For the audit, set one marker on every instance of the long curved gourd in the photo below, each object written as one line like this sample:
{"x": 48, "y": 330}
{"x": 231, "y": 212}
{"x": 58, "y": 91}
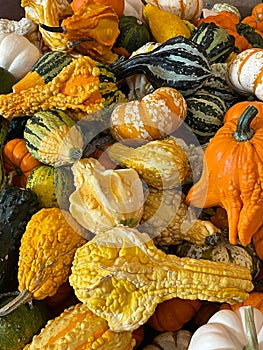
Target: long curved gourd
{"x": 122, "y": 276}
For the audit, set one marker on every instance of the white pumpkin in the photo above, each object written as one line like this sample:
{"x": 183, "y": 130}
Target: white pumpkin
{"x": 189, "y": 10}
{"x": 245, "y": 71}
{"x": 18, "y": 54}
{"x": 230, "y": 330}
{"x": 133, "y": 8}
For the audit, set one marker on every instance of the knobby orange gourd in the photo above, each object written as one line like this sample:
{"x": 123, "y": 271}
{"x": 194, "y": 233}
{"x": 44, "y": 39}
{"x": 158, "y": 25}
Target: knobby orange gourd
{"x": 233, "y": 175}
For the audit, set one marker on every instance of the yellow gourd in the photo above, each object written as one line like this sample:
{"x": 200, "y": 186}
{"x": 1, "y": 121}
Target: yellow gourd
{"x": 164, "y": 25}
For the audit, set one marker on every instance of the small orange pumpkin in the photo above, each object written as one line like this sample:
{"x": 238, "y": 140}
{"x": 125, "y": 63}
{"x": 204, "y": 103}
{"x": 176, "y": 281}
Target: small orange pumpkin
{"x": 18, "y": 161}
{"x": 255, "y": 20}
{"x": 157, "y": 115}
{"x": 172, "y": 314}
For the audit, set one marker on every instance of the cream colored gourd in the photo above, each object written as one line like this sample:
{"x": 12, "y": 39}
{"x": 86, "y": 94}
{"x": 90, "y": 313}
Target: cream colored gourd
{"x": 104, "y": 197}
{"x": 231, "y": 330}
{"x": 133, "y": 8}
{"x": 170, "y": 341}
{"x": 18, "y": 54}
{"x": 185, "y": 9}
{"x": 245, "y": 72}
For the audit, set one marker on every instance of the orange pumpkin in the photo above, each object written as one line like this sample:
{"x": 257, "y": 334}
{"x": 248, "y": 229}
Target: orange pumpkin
{"x": 18, "y": 161}
{"x": 254, "y": 299}
{"x": 155, "y": 116}
{"x": 233, "y": 175}
{"x": 238, "y": 108}
{"x": 117, "y": 5}
{"x": 255, "y": 20}
{"x": 172, "y": 314}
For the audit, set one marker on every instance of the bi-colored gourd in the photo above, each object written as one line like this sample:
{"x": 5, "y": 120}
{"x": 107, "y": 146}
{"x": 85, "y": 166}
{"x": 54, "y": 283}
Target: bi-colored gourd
{"x": 233, "y": 330}
{"x": 104, "y": 197}
{"x": 52, "y": 138}
{"x": 160, "y": 163}
{"x": 235, "y": 183}
{"x": 244, "y": 72}
{"x": 77, "y": 327}
{"x": 153, "y": 117}
{"x": 45, "y": 257}
{"x": 122, "y": 277}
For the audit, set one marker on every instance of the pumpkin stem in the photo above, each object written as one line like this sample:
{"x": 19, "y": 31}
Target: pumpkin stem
{"x": 250, "y": 329}
{"x": 243, "y": 131}
{"x": 22, "y": 298}
{"x": 144, "y": 2}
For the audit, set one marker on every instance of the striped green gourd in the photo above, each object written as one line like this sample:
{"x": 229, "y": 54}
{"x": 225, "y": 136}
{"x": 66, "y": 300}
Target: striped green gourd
{"x": 47, "y": 67}
{"x": 216, "y": 41}
{"x": 205, "y": 113}
{"x": 179, "y": 63}
{"x": 52, "y": 138}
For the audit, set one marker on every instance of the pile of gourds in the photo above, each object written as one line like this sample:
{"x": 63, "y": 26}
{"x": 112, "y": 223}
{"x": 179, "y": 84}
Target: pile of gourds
{"x": 131, "y": 176}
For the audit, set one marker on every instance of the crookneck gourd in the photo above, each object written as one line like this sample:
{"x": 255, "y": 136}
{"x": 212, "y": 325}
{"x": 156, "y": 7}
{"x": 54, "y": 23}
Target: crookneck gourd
{"x": 79, "y": 328}
{"x": 105, "y": 197}
{"x": 46, "y": 253}
{"x": 235, "y": 183}
{"x": 83, "y": 85}
{"x": 160, "y": 163}
{"x": 122, "y": 276}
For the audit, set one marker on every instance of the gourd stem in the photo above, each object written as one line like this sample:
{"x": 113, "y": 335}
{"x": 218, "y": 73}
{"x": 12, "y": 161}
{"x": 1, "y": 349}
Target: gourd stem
{"x": 251, "y": 332}
{"x": 23, "y": 297}
{"x": 243, "y": 131}
{"x": 144, "y": 2}
{"x": 52, "y": 29}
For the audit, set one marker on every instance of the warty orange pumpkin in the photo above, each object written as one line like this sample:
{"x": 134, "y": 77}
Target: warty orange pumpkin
{"x": 235, "y": 181}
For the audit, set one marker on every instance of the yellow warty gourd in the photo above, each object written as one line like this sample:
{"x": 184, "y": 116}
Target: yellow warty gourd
{"x": 164, "y": 25}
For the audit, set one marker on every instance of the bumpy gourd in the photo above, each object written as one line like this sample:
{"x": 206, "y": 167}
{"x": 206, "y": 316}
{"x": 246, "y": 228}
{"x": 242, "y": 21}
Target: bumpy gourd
{"x": 78, "y": 328}
{"x": 122, "y": 276}
{"x": 46, "y": 253}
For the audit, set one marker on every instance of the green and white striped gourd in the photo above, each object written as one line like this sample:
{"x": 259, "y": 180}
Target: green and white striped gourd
{"x": 179, "y": 63}
{"x": 216, "y": 41}
{"x": 52, "y": 138}
{"x": 222, "y": 251}
{"x": 205, "y": 113}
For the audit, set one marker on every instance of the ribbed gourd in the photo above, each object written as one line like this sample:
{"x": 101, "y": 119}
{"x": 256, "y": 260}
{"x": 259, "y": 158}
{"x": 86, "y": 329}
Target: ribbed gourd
{"x": 122, "y": 276}
{"x": 52, "y": 138}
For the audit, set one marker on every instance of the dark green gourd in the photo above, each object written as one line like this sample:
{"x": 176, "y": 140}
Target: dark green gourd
{"x": 17, "y": 205}
{"x": 179, "y": 63}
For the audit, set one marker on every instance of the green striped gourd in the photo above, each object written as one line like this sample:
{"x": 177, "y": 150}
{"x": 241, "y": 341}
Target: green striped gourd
{"x": 216, "y": 41}
{"x": 205, "y": 113}
{"x": 48, "y": 66}
{"x": 52, "y": 138}
{"x": 179, "y": 63}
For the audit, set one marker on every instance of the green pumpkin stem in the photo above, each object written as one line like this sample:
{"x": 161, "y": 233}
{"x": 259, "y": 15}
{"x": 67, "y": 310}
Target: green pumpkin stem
{"x": 22, "y": 298}
{"x": 243, "y": 131}
{"x": 251, "y": 332}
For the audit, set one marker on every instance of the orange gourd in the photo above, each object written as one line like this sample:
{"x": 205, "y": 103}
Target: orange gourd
{"x": 172, "y": 314}
{"x": 155, "y": 116}
{"x": 255, "y": 20}
{"x": 233, "y": 175}
{"x": 254, "y": 299}
{"x": 18, "y": 161}
{"x": 117, "y": 5}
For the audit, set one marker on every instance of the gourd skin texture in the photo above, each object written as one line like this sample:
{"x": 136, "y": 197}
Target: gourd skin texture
{"x": 235, "y": 183}
{"x": 46, "y": 252}
{"x": 122, "y": 277}
{"x": 78, "y": 328}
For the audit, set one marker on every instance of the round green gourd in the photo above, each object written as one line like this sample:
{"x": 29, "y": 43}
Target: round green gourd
{"x": 18, "y": 327}
{"x": 41, "y": 182}
{"x": 64, "y": 186}
{"x": 222, "y": 251}
{"x": 52, "y": 138}
{"x": 133, "y": 34}
{"x": 205, "y": 113}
